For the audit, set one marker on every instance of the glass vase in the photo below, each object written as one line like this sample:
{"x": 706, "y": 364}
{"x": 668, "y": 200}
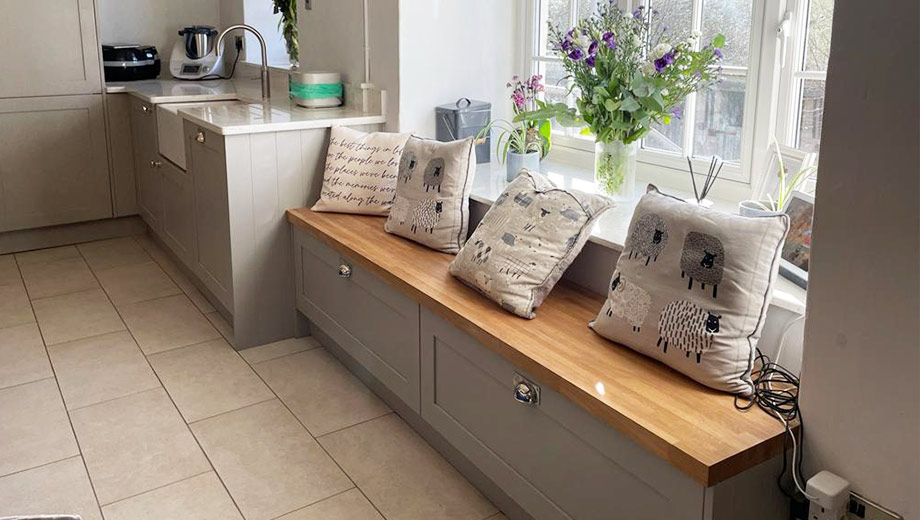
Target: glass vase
{"x": 615, "y": 169}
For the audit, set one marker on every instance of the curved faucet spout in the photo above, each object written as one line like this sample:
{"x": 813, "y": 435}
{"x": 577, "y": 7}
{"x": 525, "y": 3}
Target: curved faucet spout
{"x": 266, "y": 86}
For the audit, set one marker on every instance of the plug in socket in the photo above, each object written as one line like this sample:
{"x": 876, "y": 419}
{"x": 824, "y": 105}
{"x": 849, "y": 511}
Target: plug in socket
{"x": 861, "y": 508}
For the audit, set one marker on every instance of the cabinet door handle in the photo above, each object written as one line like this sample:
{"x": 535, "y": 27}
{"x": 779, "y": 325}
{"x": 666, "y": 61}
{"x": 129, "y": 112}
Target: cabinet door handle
{"x": 344, "y": 271}
{"x": 145, "y": 109}
{"x": 525, "y": 392}
{"x": 199, "y": 136}
{"x": 156, "y": 164}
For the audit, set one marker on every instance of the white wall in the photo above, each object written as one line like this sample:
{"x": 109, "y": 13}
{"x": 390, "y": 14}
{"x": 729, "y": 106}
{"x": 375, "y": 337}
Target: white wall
{"x": 260, "y": 15}
{"x": 861, "y": 367}
{"x": 332, "y": 38}
{"x": 450, "y": 49}
{"x": 154, "y": 22}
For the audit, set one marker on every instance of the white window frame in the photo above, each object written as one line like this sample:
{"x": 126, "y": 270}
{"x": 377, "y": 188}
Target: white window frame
{"x": 769, "y": 96}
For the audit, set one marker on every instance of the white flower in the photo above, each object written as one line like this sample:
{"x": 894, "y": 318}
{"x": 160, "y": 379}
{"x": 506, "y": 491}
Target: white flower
{"x": 636, "y": 41}
{"x": 660, "y": 50}
{"x": 648, "y": 68}
{"x": 696, "y": 34}
{"x": 664, "y": 92}
{"x": 583, "y": 40}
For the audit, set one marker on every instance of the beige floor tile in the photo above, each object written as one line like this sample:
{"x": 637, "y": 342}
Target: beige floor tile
{"x": 402, "y": 475}
{"x": 278, "y": 349}
{"x": 135, "y": 444}
{"x": 208, "y": 379}
{"x": 136, "y": 283}
{"x": 34, "y": 428}
{"x": 75, "y": 316}
{"x": 15, "y": 308}
{"x": 22, "y": 356}
{"x": 9, "y": 271}
{"x": 60, "y": 487}
{"x": 60, "y": 277}
{"x": 221, "y": 325}
{"x": 47, "y": 255}
{"x": 350, "y": 505}
{"x": 167, "y": 323}
{"x": 106, "y": 254}
{"x": 270, "y": 464}
{"x": 320, "y": 391}
{"x": 197, "y": 498}
{"x": 100, "y": 368}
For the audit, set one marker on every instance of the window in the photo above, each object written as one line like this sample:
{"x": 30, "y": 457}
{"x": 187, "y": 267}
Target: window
{"x": 735, "y": 118}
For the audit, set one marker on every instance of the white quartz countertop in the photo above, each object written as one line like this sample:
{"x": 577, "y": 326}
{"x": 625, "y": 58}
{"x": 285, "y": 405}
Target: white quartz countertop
{"x": 250, "y": 115}
{"x": 611, "y": 228}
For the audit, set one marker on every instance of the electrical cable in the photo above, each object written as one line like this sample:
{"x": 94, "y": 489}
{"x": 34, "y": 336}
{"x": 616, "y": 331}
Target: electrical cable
{"x": 776, "y": 392}
{"x": 209, "y": 77}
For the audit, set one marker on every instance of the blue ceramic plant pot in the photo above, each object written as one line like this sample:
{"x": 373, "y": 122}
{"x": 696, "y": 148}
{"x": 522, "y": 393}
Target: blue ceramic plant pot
{"x": 515, "y": 162}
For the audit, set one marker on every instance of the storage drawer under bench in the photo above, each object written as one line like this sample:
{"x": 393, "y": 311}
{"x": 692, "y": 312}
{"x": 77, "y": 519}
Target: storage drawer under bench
{"x": 374, "y": 323}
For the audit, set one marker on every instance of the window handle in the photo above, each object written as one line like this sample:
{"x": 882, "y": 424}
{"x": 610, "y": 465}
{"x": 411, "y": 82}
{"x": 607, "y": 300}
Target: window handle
{"x": 783, "y": 30}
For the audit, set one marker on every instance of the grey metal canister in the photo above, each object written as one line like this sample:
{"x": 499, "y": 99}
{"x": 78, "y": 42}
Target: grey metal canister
{"x": 462, "y": 119}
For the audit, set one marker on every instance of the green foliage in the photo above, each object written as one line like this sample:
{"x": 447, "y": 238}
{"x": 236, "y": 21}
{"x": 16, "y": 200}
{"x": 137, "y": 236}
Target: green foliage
{"x": 627, "y": 86}
{"x": 288, "y": 26}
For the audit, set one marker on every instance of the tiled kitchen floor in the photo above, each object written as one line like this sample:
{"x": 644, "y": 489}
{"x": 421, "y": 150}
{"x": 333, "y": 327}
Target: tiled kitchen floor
{"x": 119, "y": 398}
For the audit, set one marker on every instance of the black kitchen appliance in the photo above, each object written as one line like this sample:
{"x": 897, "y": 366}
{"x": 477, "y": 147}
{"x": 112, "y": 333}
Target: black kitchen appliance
{"x": 130, "y": 62}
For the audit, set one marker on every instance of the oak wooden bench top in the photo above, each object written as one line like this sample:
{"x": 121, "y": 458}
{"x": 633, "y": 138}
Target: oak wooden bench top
{"x": 694, "y": 428}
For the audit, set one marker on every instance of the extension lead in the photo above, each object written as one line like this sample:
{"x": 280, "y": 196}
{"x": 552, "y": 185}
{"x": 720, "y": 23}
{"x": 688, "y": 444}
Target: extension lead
{"x": 776, "y": 391}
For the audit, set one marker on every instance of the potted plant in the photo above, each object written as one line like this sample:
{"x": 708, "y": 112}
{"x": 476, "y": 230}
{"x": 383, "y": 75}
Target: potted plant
{"x": 525, "y": 141}
{"x": 288, "y": 26}
{"x": 629, "y": 75}
{"x": 786, "y": 184}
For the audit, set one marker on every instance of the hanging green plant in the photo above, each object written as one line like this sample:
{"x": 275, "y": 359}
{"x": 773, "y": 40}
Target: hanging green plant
{"x": 288, "y": 26}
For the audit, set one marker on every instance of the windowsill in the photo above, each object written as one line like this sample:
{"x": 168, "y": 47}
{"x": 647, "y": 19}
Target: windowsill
{"x": 611, "y": 228}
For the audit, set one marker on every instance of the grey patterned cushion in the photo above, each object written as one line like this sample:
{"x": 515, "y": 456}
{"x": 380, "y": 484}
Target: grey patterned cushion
{"x": 432, "y": 193}
{"x": 526, "y": 241}
{"x": 691, "y": 289}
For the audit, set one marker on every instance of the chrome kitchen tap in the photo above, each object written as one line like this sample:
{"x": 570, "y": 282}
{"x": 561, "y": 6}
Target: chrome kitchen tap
{"x": 266, "y": 86}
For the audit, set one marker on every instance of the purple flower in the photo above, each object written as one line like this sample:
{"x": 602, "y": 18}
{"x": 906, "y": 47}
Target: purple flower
{"x": 565, "y": 45}
{"x": 518, "y": 99}
{"x": 663, "y": 62}
{"x": 592, "y": 49}
{"x": 589, "y": 61}
{"x": 718, "y": 52}
{"x": 608, "y": 39}
{"x": 576, "y": 54}
{"x": 677, "y": 112}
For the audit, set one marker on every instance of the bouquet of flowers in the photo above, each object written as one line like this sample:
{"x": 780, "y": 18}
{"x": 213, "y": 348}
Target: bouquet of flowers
{"x": 629, "y": 75}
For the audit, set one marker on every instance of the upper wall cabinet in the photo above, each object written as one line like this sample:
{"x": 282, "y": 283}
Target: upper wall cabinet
{"x": 49, "y": 48}
{"x": 53, "y": 165}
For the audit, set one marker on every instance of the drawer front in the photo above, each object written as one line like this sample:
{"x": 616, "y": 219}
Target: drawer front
{"x": 376, "y": 324}
{"x": 553, "y": 458}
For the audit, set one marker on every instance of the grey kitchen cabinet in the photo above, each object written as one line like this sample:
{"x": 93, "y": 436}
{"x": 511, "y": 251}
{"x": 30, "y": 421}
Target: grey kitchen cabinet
{"x": 179, "y": 230}
{"x": 374, "y": 323}
{"x": 206, "y": 163}
{"x": 553, "y": 458}
{"x": 53, "y": 161}
{"x": 121, "y": 154}
{"x": 148, "y": 178}
{"x": 49, "y": 49}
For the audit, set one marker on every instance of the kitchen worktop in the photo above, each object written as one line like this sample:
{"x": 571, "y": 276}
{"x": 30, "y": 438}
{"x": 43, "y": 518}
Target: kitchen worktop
{"x": 251, "y": 114}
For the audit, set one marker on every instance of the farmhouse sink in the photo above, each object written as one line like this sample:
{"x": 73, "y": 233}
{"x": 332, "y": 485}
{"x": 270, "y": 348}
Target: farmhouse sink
{"x": 169, "y": 128}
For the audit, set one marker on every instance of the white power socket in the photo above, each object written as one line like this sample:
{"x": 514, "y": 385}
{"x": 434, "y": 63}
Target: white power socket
{"x": 829, "y": 494}
{"x": 861, "y": 508}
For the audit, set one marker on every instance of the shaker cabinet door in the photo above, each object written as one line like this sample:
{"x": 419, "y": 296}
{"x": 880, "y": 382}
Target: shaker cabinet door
{"x": 49, "y": 48}
{"x": 53, "y": 163}
{"x": 148, "y": 177}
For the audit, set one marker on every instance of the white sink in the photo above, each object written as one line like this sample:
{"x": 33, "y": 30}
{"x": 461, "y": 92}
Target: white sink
{"x": 169, "y": 128}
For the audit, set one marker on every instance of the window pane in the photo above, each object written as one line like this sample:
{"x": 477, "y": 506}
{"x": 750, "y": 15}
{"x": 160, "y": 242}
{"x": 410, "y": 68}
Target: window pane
{"x": 811, "y": 114}
{"x": 818, "y": 39}
{"x": 557, "y": 13}
{"x": 719, "y": 117}
{"x": 553, "y": 74}
{"x": 667, "y": 137}
{"x": 586, "y": 8}
{"x": 676, "y": 16}
{"x": 732, "y": 18}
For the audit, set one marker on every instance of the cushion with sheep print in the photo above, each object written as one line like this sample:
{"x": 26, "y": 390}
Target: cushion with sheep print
{"x": 432, "y": 193}
{"x": 691, "y": 289}
{"x": 526, "y": 240}
{"x": 361, "y": 170}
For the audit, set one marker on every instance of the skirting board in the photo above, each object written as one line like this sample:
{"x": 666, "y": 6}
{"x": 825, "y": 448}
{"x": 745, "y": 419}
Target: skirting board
{"x": 466, "y": 468}
{"x": 67, "y": 234}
